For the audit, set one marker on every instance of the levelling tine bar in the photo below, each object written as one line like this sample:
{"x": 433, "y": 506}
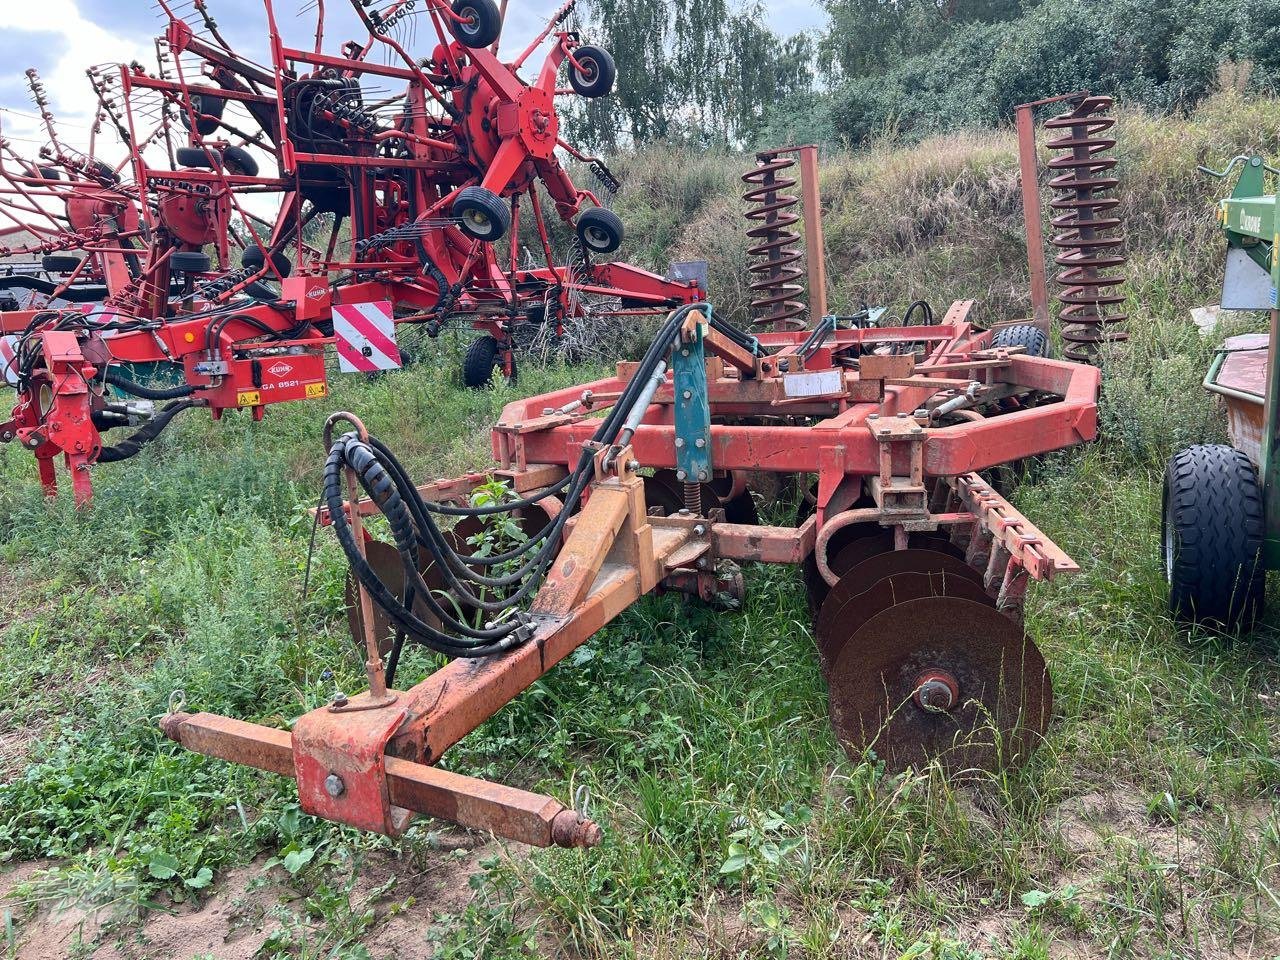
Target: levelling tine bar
{"x": 531, "y": 818}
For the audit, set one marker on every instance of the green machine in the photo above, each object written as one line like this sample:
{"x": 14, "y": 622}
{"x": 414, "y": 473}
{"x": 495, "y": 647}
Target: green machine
{"x": 1221, "y": 518}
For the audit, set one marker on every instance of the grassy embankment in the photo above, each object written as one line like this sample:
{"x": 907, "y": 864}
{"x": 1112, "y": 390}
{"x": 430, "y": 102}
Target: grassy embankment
{"x": 1146, "y": 825}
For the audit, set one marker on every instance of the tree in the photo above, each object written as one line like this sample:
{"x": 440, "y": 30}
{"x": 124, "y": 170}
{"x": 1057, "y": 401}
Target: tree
{"x": 689, "y": 70}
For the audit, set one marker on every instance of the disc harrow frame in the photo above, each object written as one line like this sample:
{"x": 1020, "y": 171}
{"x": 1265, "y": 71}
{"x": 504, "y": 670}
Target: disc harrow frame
{"x": 863, "y": 421}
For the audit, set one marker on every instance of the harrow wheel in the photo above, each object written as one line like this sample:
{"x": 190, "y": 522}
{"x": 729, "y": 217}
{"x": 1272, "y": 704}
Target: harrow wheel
{"x": 922, "y": 667}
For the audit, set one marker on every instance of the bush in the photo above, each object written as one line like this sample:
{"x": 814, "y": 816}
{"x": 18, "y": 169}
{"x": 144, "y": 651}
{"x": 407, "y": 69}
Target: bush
{"x": 1163, "y": 56}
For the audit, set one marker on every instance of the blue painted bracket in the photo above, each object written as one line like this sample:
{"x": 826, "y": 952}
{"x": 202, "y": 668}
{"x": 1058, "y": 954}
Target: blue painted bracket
{"x": 693, "y": 410}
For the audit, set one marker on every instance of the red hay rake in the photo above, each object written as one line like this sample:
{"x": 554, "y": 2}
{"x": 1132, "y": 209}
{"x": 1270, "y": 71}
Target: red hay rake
{"x": 426, "y": 170}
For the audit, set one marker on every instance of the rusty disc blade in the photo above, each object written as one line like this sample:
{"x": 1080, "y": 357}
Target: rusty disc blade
{"x": 815, "y": 585}
{"x": 665, "y": 491}
{"x": 1000, "y": 700}
{"x": 844, "y": 612}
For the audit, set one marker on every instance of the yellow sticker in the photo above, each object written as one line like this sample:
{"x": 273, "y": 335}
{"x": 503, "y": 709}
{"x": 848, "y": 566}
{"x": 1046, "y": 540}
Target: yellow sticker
{"x": 248, "y": 398}
{"x": 316, "y": 389}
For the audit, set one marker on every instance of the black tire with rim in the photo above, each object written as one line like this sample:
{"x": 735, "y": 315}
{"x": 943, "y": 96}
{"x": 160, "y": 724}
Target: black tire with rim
{"x": 482, "y": 214}
{"x": 1026, "y": 335}
{"x": 600, "y": 230}
{"x": 595, "y": 73}
{"x": 208, "y": 111}
{"x": 189, "y": 261}
{"x": 481, "y": 22}
{"x": 1211, "y": 537}
{"x": 483, "y": 356}
{"x": 59, "y": 263}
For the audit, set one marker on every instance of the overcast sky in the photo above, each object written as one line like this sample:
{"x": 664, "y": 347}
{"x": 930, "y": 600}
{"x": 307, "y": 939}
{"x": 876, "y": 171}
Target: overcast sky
{"x": 60, "y": 38}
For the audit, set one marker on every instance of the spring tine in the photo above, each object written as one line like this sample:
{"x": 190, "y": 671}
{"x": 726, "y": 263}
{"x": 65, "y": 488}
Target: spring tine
{"x": 774, "y": 285}
{"x": 1086, "y": 226}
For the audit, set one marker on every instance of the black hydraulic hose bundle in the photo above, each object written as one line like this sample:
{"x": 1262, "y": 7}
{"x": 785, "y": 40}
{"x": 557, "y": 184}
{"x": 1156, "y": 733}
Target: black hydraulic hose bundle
{"x": 121, "y": 382}
{"x": 410, "y": 517}
{"x": 133, "y": 444}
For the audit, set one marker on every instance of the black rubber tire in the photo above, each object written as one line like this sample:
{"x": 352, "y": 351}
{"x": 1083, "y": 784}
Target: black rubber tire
{"x": 485, "y": 25}
{"x": 50, "y": 173}
{"x": 483, "y": 357}
{"x": 210, "y": 109}
{"x": 1023, "y": 335}
{"x": 239, "y": 161}
{"x": 597, "y": 75}
{"x": 254, "y": 258}
{"x": 198, "y": 157}
{"x": 189, "y": 261}
{"x": 479, "y": 362}
{"x": 59, "y": 263}
{"x": 600, "y": 230}
{"x": 482, "y": 214}
{"x": 1211, "y": 537}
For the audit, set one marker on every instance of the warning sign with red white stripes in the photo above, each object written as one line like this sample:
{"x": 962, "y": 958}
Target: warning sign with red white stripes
{"x": 364, "y": 335}
{"x": 8, "y": 363}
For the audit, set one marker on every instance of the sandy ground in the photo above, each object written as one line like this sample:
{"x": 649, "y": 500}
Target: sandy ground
{"x": 237, "y": 914}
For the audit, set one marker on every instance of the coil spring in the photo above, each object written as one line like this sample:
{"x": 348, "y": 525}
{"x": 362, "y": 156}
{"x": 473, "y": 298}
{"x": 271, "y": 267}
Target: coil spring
{"x": 1085, "y": 229}
{"x": 773, "y": 287}
{"x": 693, "y": 498}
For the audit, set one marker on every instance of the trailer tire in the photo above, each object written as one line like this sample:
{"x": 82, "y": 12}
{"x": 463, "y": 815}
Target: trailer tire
{"x": 600, "y": 230}
{"x": 209, "y": 110}
{"x": 1211, "y": 537}
{"x": 597, "y": 75}
{"x": 485, "y": 25}
{"x": 1026, "y": 335}
{"x": 59, "y": 263}
{"x": 199, "y": 158}
{"x": 483, "y": 356}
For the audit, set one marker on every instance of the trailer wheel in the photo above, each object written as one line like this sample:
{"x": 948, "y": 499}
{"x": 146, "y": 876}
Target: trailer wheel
{"x": 1211, "y": 534}
{"x": 1023, "y": 335}
{"x": 199, "y": 158}
{"x": 597, "y": 73}
{"x": 600, "y": 230}
{"x": 483, "y": 356}
{"x": 481, "y": 23}
{"x": 482, "y": 214}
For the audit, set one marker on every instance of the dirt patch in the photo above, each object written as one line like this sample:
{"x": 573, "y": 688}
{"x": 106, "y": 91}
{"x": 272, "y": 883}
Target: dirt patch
{"x": 438, "y": 886}
{"x": 239, "y": 914}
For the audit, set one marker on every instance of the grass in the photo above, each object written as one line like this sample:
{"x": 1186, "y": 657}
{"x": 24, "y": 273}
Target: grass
{"x": 734, "y": 826}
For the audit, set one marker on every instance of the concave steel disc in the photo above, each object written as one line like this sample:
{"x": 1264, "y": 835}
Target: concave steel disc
{"x": 665, "y": 491}
{"x": 944, "y": 678}
{"x": 844, "y": 538}
{"x": 844, "y": 611}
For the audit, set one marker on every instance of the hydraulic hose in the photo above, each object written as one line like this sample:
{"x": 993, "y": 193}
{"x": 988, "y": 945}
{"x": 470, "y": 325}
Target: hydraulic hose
{"x": 409, "y": 517}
